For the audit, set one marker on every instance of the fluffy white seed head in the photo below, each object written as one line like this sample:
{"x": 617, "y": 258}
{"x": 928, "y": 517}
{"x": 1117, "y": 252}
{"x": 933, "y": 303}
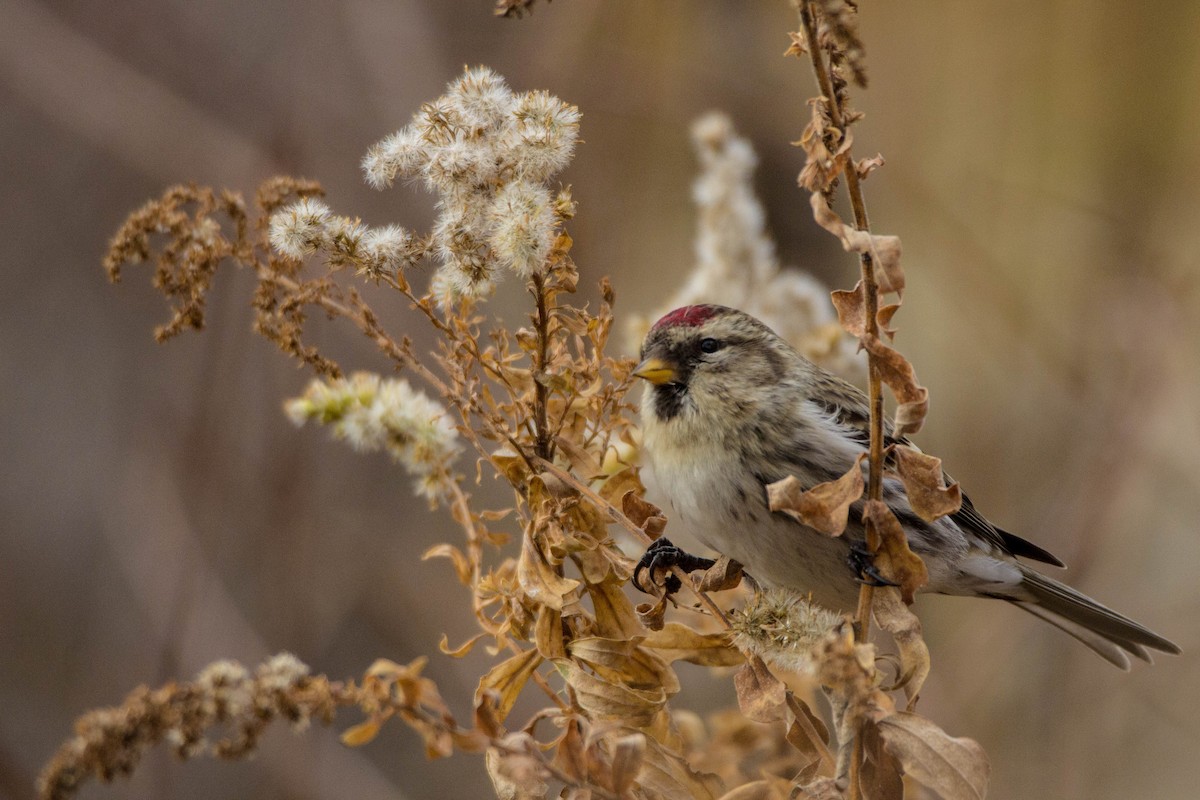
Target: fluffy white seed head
{"x": 402, "y": 154}
{"x": 374, "y": 414}
{"x": 522, "y": 226}
{"x": 482, "y": 98}
{"x": 299, "y": 229}
{"x": 543, "y": 139}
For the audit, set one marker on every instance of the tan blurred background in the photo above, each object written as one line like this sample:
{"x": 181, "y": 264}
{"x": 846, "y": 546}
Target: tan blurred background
{"x": 159, "y": 512}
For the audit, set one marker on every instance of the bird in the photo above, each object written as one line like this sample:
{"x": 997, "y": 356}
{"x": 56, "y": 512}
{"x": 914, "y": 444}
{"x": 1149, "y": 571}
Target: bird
{"x": 731, "y": 408}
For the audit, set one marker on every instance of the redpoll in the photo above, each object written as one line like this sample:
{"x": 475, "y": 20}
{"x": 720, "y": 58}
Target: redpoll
{"x": 731, "y": 408}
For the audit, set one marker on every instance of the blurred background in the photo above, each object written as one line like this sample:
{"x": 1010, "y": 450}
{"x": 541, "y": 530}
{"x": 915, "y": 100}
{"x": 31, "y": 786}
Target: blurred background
{"x": 158, "y": 512}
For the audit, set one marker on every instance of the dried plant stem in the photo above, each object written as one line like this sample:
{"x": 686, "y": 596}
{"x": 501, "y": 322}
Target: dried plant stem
{"x": 542, "y": 322}
{"x": 862, "y": 623}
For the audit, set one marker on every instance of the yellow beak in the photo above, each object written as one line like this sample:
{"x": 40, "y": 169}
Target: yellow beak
{"x": 656, "y": 371}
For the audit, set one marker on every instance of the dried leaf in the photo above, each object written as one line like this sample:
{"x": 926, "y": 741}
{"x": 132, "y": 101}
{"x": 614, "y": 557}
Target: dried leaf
{"x": 884, "y": 250}
{"x": 548, "y": 633}
{"x": 569, "y": 755}
{"x": 676, "y": 642}
{"x": 628, "y": 753}
{"x": 880, "y": 774}
{"x": 538, "y": 579}
{"x": 851, "y": 309}
{"x": 516, "y": 775}
{"x": 652, "y": 614}
{"x": 462, "y": 567}
{"x": 897, "y": 373}
{"x": 461, "y": 650}
{"x": 807, "y": 733}
{"x": 953, "y": 767}
{"x": 606, "y": 700}
{"x": 507, "y": 679}
{"x": 904, "y": 626}
{"x": 643, "y": 513}
{"x": 798, "y": 47}
{"x": 925, "y": 485}
{"x": 622, "y": 660}
{"x": 865, "y": 166}
{"x": 903, "y": 566}
{"x": 667, "y": 774}
{"x": 361, "y": 733}
{"x": 725, "y": 574}
{"x": 883, "y": 319}
{"x": 622, "y": 482}
{"x": 761, "y": 696}
{"x": 826, "y": 506}
{"x": 615, "y": 617}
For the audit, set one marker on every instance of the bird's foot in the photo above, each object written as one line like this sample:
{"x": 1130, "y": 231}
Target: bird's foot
{"x": 662, "y": 555}
{"x": 862, "y": 561}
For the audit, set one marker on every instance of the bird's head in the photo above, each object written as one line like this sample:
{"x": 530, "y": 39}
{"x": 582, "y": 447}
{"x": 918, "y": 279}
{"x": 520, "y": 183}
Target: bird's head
{"x": 709, "y": 363}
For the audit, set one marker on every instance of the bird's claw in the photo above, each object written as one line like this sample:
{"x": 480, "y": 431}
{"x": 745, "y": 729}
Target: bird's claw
{"x": 662, "y": 555}
{"x": 862, "y": 561}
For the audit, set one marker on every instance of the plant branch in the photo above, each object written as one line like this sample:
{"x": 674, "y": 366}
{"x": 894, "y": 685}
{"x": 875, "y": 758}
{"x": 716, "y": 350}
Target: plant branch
{"x": 871, "y": 301}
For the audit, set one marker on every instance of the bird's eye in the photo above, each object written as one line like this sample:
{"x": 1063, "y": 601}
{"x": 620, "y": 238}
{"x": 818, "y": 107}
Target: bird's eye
{"x": 709, "y": 345}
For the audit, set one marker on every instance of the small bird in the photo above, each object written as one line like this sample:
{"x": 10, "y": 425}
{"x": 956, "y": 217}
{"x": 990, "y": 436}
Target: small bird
{"x": 731, "y": 408}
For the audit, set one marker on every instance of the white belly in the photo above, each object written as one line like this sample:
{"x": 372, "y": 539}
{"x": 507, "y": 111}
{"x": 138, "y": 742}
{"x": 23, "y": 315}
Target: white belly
{"x": 699, "y": 499}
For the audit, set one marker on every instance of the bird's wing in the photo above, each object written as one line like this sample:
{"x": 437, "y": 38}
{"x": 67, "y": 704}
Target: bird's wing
{"x": 849, "y": 407}
{"x": 969, "y": 519}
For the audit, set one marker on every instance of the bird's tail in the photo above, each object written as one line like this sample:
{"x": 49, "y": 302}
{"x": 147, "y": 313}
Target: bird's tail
{"x": 1110, "y": 634}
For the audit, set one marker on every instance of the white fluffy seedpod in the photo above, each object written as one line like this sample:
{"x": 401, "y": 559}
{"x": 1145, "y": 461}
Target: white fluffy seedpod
{"x": 543, "y": 140}
{"x": 522, "y": 226}
{"x": 482, "y": 98}
{"x": 375, "y": 414}
{"x": 299, "y": 229}
{"x": 402, "y": 154}
{"x": 387, "y": 250}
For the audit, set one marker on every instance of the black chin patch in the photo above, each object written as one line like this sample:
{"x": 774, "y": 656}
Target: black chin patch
{"x": 669, "y": 399}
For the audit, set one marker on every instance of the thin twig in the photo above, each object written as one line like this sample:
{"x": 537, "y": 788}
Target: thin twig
{"x": 871, "y": 299}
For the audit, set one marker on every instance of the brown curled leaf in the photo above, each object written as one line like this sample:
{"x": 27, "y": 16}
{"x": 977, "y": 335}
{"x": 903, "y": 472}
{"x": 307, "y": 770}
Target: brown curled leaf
{"x": 883, "y": 319}
{"x": 925, "y": 484}
{"x": 865, "y": 166}
{"x": 851, "y": 309}
{"x": 883, "y": 250}
{"x": 950, "y": 766}
{"x": 605, "y": 700}
{"x": 652, "y": 614}
{"x": 725, "y": 574}
{"x": 761, "y": 696}
{"x": 615, "y": 617}
{"x": 623, "y": 661}
{"x": 898, "y": 374}
{"x": 904, "y": 626}
{"x": 461, "y": 650}
{"x": 538, "y": 579}
{"x": 507, "y": 679}
{"x": 826, "y": 506}
{"x": 902, "y": 566}
{"x": 643, "y": 513}
{"x": 462, "y": 567}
